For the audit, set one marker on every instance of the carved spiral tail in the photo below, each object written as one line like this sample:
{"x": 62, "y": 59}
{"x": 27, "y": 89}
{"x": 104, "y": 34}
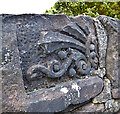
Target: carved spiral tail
{"x": 83, "y": 67}
{"x": 52, "y": 70}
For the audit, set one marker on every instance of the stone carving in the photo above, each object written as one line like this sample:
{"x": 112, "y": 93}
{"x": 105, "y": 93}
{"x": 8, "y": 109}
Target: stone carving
{"x": 53, "y": 63}
{"x": 72, "y": 53}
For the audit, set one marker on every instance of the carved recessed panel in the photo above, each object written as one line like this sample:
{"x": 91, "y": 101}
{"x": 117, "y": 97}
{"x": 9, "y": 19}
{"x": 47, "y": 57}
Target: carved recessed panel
{"x": 49, "y": 57}
{"x": 52, "y": 61}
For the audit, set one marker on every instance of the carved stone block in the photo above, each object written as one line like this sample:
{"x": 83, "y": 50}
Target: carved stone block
{"x": 51, "y": 61}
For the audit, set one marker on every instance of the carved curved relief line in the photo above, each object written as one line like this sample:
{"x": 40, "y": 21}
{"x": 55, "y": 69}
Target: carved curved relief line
{"x": 79, "y": 59}
{"x": 75, "y": 31}
{"x": 51, "y": 47}
{"x": 50, "y": 71}
{"x": 51, "y": 37}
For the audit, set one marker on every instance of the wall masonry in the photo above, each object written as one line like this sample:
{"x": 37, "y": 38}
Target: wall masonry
{"x": 55, "y": 63}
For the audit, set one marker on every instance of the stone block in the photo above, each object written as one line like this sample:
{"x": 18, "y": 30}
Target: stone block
{"x": 112, "y": 27}
{"x": 47, "y": 62}
{"x": 52, "y": 61}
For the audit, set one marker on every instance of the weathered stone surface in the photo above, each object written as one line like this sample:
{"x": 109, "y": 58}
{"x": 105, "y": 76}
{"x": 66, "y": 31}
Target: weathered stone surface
{"x": 116, "y": 93}
{"x": 0, "y": 64}
{"x": 112, "y": 106}
{"x": 25, "y": 55}
{"x": 102, "y": 39}
{"x": 58, "y": 98}
{"x": 102, "y": 46}
{"x": 112, "y": 27}
{"x": 13, "y": 95}
{"x": 90, "y": 107}
{"x": 101, "y": 72}
{"x": 52, "y": 61}
{"x": 105, "y": 95}
{"x": 41, "y": 49}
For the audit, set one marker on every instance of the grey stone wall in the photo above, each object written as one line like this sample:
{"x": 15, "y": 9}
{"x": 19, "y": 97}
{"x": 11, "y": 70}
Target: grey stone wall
{"x": 55, "y": 63}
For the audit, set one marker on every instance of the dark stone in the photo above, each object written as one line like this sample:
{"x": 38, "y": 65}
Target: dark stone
{"x": 60, "y": 97}
{"x": 31, "y": 65}
{"x": 48, "y": 59}
{"x": 53, "y": 49}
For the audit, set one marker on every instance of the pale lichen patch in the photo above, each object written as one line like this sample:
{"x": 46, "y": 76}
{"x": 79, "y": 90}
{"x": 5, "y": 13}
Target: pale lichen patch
{"x": 64, "y": 90}
{"x": 77, "y": 88}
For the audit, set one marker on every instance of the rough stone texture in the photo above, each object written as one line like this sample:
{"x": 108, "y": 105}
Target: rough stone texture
{"x": 102, "y": 39}
{"x": 112, "y": 106}
{"x": 0, "y": 64}
{"x": 90, "y": 107}
{"x": 22, "y": 36}
{"x": 102, "y": 45}
{"x": 60, "y": 97}
{"x": 101, "y": 72}
{"x": 24, "y": 50}
{"x": 112, "y": 27}
{"x": 12, "y": 86}
{"x": 58, "y": 49}
{"x": 116, "y": 93}
{"x": 105, "y": 95}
